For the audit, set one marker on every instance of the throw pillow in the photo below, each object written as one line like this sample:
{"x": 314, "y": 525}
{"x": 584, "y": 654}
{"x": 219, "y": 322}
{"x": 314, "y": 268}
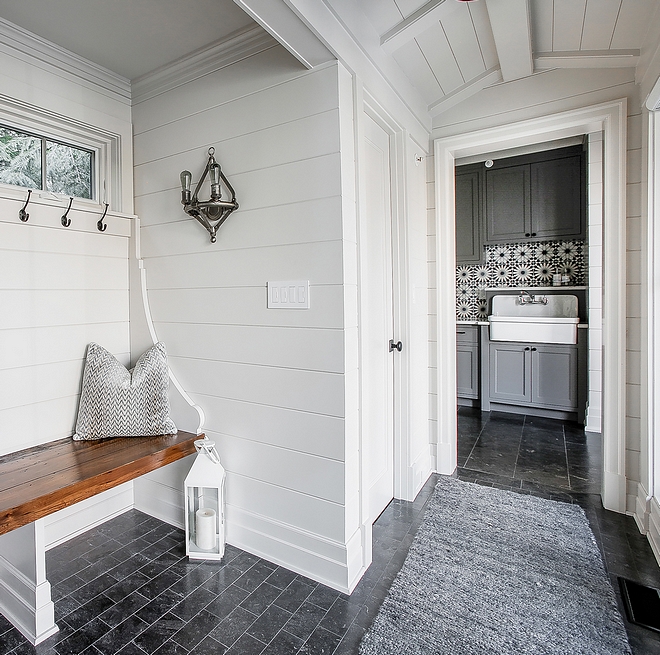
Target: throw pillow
{"x": 116, "y": 402}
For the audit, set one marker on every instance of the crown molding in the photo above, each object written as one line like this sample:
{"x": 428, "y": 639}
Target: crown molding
{"x": 201, "y": 62}
{"x": 36, "y": 51}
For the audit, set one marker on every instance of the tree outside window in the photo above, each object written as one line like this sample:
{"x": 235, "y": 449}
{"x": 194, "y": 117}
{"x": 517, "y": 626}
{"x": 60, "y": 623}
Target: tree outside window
{"x": 35, "y": 162}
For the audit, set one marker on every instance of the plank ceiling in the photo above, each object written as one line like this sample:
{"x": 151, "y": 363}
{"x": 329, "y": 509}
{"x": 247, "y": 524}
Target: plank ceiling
{"x": 451, "y": 49}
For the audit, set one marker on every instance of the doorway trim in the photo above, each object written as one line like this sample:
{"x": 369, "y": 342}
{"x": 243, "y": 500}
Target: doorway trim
{"x": 611, "y": 118}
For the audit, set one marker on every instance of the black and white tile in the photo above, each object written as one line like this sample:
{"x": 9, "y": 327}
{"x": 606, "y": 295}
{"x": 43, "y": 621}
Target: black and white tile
{"x": 512, "y": 265}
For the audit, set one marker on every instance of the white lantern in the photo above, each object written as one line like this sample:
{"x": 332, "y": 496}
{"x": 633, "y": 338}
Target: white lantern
{"x": 204, "y": 494}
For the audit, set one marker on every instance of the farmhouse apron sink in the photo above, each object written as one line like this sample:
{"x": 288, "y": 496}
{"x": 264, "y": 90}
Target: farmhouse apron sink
{"x": 534, "y": 318}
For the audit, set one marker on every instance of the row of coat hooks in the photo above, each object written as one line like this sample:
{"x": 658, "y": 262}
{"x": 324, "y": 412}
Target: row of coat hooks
{"x": 66, "y": 221}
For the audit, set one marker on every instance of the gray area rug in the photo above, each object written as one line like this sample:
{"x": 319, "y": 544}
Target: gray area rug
{"x": 493, "y": 571}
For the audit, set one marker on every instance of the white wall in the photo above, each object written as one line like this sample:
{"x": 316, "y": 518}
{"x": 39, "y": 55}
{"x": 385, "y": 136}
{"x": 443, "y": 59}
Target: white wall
{"x": 551, "y": 92}
{"x": 271, "y": 382}
{"x": 60, "y": 288}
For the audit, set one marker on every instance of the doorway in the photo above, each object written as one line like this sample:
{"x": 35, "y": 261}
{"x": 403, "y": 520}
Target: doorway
{"x": 611, "y": 119}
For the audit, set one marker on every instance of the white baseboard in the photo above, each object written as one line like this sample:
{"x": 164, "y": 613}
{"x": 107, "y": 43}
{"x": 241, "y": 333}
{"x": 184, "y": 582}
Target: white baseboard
{"x": 445, "y": 458}
{"x": 72, "y": 521}
{"x": 159, "y": 500}
{"x": 434, "y": 457}
{"x": 614, "y": 492}
{"x": 653, "y": 533}
{"x": 642, "y": 508}
{"x": 321, "y": 559}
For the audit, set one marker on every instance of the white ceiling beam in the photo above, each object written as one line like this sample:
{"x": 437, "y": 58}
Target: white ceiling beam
{"x": 512, "y": 31}
{"x": 586, "y": 59}
{"x": 492, "y": 76}
{"x": 285, "y": 26}
{"x": 420, "y": 20}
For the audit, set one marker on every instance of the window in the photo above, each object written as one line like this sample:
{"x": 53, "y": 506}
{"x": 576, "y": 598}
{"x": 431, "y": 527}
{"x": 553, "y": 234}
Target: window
{"x": 35, "y": 162}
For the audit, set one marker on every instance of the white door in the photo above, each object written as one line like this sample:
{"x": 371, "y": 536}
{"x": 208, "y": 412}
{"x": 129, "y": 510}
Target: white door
{"x": 377, "y": 319}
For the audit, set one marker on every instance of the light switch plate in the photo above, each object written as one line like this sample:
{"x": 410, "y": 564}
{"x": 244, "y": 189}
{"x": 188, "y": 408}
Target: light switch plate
{"x": 288, "y": 294}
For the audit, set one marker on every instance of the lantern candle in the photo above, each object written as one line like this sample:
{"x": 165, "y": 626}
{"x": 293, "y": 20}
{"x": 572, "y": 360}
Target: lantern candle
{"x": 205, "y": 528}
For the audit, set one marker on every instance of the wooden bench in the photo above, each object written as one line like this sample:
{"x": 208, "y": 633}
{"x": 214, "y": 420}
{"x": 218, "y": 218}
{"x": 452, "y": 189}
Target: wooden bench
{"x": 44, "y": 479}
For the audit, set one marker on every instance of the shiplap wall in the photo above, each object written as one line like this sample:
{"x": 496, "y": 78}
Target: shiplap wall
{"x": 60, "y": 288}
{"x": 551, "y": 92}
{"x": 270, "y": 381}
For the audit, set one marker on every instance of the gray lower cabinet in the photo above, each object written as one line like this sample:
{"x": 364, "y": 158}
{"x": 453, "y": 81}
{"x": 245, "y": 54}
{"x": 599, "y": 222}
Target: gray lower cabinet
{"x": 538, "y": 375}
{"x": 467, "y": 362}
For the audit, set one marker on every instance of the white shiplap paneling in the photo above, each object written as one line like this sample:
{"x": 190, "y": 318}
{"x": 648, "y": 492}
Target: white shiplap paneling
{"x": 438, "y": 53}
{"x": 271, "y": 381}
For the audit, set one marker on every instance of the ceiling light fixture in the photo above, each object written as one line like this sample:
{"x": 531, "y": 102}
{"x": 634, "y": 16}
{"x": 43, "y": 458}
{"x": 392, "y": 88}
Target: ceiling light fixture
{"x": 214, "y": 212}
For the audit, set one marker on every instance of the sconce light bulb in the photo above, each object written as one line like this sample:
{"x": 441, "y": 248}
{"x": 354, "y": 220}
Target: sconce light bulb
{"x": 214, "y": 172}
{"x": 186, "y": 180}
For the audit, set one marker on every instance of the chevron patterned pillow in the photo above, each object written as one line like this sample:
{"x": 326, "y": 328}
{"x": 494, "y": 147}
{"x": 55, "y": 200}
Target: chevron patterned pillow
{"x": 116, "y": 402}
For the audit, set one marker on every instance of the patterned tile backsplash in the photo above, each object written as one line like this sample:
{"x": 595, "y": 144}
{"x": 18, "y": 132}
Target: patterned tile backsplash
{"x": 516, "y": 265}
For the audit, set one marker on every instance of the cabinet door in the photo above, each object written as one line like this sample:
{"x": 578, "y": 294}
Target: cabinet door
{"x": 467, "y": 371}
{"x": 507, "y": 204}
{"x": 554, "y": 376}
{"x": 469, "y": 249}
{"x": 510, "y": 372}
{"x": 557, "y": 197}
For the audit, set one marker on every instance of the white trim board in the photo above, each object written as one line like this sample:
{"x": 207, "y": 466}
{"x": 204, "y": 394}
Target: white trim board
{"x": 611, "y": 118}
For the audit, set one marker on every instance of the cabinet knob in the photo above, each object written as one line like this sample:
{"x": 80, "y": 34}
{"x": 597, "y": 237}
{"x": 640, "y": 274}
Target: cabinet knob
{"x": 527, "y": 348}
{"x": 533, "y": 234}
{"x": 527, "y": 234}
{"x": 395, "y": 346}
{"x": 533, "y": 349}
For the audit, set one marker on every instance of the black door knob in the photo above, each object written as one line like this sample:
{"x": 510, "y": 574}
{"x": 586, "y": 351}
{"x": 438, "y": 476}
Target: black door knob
{"x": 395, "y": 346}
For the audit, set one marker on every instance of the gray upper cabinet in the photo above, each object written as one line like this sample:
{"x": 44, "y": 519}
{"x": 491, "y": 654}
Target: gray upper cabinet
{"x": 557, "y": 192}
{"x": 508, "y": 216}
{"x": 469, "y": 242}
{"x": 539, "y": 196}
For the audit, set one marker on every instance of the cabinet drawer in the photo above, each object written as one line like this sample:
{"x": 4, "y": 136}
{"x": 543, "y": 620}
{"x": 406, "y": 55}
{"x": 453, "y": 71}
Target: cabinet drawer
{"x": 468, "y": 334}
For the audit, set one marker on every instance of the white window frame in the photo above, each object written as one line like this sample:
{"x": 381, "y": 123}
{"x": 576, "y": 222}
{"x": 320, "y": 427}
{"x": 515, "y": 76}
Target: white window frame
{"x": 105, "y": 146}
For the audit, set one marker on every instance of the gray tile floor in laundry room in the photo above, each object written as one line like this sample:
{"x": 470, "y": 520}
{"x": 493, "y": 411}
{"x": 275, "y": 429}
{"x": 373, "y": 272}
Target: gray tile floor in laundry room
{"x": 126, "y": 586}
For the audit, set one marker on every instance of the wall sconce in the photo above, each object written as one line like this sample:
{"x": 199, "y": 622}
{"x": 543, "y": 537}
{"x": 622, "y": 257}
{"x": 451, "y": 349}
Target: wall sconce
{"x": 214, "y": 212}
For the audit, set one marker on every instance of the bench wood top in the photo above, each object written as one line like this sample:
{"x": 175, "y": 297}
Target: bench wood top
{"x": 38, "y": 481}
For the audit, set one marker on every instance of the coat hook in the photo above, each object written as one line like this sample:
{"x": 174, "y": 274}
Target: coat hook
{"x": 100, "y": 224}
{"x": 67, "y": 221}
{"x": 22, "y": 214}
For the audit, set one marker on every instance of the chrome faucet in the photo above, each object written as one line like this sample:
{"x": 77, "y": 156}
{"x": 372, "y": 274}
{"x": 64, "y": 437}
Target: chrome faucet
{"x": 526, "y": 299}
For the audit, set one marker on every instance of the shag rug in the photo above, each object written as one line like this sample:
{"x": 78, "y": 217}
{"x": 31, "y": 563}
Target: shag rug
{"x": 501, "y": 573}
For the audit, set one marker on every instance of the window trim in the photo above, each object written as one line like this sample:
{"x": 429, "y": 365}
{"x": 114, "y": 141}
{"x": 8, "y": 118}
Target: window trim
{"x": 105, "y": 146}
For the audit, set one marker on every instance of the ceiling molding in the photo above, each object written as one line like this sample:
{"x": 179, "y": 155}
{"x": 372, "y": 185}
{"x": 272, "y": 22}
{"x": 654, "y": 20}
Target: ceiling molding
{"x": 36, "y": 51}
{"x": 420, "y": 20}
{"x": 283, "y": 24}
{"x": 586, "y": 59}
{"x": 491, "y": 76}
{"x": 201, "y": 62}
{"x": 510, "y": 21}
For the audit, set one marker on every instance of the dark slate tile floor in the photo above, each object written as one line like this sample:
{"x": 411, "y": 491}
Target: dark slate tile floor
{"x": 558, "y": 460}
{"x": 127, "y": 588}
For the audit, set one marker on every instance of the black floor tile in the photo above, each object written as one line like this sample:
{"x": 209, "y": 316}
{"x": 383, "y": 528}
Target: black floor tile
{"x": 233, "y": 626}
{"x": 127, "y": 588}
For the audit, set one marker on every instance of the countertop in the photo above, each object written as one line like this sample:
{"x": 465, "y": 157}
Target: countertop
{"x": 580, "y": 325}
